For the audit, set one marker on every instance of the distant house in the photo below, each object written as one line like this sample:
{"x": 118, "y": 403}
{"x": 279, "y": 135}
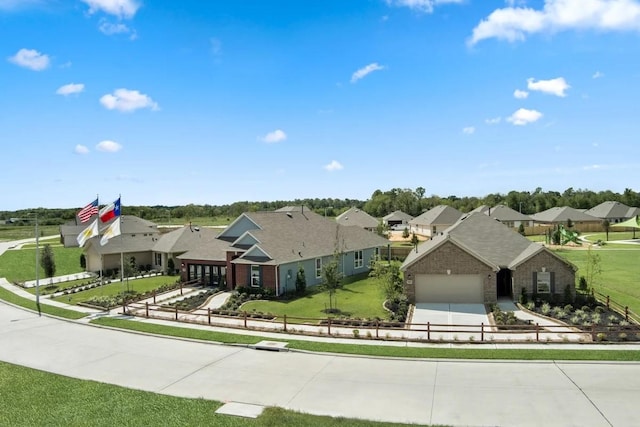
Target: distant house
{"x": 174, "y": 243}
{"x": 397, "y": 218}
{"x": 509, "y": 217}
{"x": 435, "y": 220}
{"x": 359, "y": 218}
{"x": 136, "y": 242}
{"x": 266, "y": 249}
{"x": 479, "y": 260}
{"x": 613, "y": 212}
{"x": 562, "y": 215}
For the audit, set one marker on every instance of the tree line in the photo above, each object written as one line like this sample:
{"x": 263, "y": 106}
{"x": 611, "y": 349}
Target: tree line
{"x": 411, "y": 201}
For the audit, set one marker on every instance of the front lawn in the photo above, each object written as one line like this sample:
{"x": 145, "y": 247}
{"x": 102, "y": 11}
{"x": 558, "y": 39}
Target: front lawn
{"x": 20, "y": 265}
{"x": 116, "y": 288}
{"x": 31, "y": 305}
{"x": 620, "y": 272}
{"x": 360, "y": 299}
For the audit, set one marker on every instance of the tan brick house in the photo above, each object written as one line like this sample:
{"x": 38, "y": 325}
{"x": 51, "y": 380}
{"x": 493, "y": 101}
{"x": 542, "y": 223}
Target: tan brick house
{"x": 478, "y": 260}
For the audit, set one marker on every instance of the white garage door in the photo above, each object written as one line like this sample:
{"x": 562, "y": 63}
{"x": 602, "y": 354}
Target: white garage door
{"x": 455, "y": 288}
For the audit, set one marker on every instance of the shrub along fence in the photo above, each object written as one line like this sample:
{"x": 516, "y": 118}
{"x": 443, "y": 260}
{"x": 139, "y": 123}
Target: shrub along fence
{"x": 623, "y": 310}
{"x": 378, "y": 329}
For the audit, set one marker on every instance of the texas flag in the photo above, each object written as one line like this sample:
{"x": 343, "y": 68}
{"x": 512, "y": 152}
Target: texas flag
{"x": 110, "y": 211}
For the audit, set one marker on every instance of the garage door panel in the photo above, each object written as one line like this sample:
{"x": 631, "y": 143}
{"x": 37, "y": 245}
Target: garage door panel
{"x": 442, "y": 288}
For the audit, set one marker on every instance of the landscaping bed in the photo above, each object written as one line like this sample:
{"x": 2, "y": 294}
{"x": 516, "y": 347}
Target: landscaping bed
{"x": 193, "y": 302}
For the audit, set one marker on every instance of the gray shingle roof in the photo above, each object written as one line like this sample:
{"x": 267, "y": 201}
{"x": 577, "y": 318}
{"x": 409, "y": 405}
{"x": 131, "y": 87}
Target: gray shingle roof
{"x": 440, "y": 215}
{"x": 505, "y": 213}
{"x": 562, "y": 214}
{"x": 184, "y": 239}
{"x": 486, "y": 238}
{"x": 397, "y": 216}
{"x": 356, "y": 216}
{"x": 610, "y": 210}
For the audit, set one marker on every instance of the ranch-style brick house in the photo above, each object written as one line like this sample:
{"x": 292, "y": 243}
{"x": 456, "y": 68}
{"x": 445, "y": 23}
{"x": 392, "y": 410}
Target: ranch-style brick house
{"x": 266, "y": 249}
{"x": 479, "y": 260}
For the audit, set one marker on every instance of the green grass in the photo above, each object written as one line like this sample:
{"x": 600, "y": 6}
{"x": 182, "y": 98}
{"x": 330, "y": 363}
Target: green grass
{"x": 34, "y": 398}
{"x": 537, "y": 238}
{"x": 362, "y": 298}
{"x": 116, "y": 287}
{"x": 613, "y": 236}
{"x": 31, "y": 305}
{"x": 20, "y": 232}
{"x": 620, "y": 273}
{"x": 379, "y": 350}
{"x": 47, "y": 288}
{"x": 20, "y": 265}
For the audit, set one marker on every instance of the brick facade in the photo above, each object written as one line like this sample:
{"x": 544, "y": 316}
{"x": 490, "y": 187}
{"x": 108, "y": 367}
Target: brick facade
{"x": 457, "y": 261}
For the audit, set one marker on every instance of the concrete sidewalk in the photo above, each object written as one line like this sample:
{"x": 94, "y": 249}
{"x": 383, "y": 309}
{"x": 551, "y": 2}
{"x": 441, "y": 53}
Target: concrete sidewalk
{"x": 470, "y": 393}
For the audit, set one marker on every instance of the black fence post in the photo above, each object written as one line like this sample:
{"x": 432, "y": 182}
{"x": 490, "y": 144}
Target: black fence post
{"x": 285, "y": 323}
{"x": 209, "y": 315}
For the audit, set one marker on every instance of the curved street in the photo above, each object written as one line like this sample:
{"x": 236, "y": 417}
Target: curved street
{"x": 473, "y": 393}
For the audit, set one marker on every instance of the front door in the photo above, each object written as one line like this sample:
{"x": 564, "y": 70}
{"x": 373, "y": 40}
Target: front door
{"x": 504, "y": 283}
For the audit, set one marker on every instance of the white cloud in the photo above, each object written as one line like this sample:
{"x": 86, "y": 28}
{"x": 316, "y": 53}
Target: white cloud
{"x": 70, "y": 89}
{"x": 520, "y": 94}
{"x": 120, "y": 8}
{"x": 334, "y": 166}
{"x": 81, "y": 149}
{"x": 523, "y": 117}
{"x": 110, "y": 28}
{"x": 516, "y": 23}
{"x": 216, "y": 45}
{"x": 555, "y": 87}
{"x": 469, "y": 130}
{"x": 30, "y": 58}
{"x": 597, "y": 75}
{"x": 127, "y": 100}
{"x": 364, "y": 71}
{"x": 425, "y": 6}
{"x": 277, "y": 135}
{"x": 108, "y": 146}
{"x": 493, "y": 121}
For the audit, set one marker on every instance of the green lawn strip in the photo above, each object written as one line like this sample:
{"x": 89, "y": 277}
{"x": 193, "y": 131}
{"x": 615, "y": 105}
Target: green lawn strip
{"x": 378, "y": 350}
{"x": 117, "y": 287}
{"x": 21, "y": 232}
{"x": 613, "y": 236}
{"x": 360, "y": 299}
{"x": 47, "y": 288}
{"x": 42, "y": 398}
{"x": 20, "y": 265}
{"x": 31, "y": 305}
{"x": 620, "y": 272}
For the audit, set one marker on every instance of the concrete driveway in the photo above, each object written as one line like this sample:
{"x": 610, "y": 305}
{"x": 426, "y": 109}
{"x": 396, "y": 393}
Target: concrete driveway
{"x": 449, "y": 314}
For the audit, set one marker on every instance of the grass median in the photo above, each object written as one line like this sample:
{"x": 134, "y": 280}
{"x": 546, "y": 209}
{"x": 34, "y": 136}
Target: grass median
{"x": 29, "y": 304}
{"x": 379, "y": 350}
{"x": 41, "y": 398}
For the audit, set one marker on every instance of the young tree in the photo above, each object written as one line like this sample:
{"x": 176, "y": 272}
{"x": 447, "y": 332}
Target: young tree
{"x": 301, "y": 280}
{"x": 48, "y": 262}
{"x": 171, "y": 267}
{"x": 332, "y": 279}
{"x": 605, "y": 226}
{"x": 83, "y": 261}
{"x": 405, "y": 233}
{"x": 593, "y": 268}
{"x": 414, "y": 241}
{"x": 521, "y": 228}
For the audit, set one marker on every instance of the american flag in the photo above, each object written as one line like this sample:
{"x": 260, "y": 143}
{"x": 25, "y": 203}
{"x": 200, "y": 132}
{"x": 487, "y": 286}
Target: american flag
{"x": 88, "y": 211}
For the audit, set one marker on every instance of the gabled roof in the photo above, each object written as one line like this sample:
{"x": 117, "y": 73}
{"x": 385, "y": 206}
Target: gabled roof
{"x": 211, "y": 250}
{"x": 358, "y": 217}
{"x": 130, "y": 225}
{"x": 440, "y": 215}
{"x": 562, "y": 214}
{"x": 295, "y": 208}
{"x": 184, "y": 239}
{"x": 125, "y": 244}
{"x": 610, "y": 210}
{"x": 397, "y": 216}
{"x": 502, "y": 213}
{"x": 294, "y": 236}
{"x": 486, "y": 239}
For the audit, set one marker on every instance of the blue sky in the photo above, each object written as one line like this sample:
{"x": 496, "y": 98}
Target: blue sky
{"x": 212, "y": 102}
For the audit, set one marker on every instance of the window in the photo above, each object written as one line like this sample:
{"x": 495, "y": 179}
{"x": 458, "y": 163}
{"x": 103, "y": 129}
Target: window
{"x": 357, "y": 259}
{"x": 159, "y": 259}
{"x": 543, "y": 282}
{"x": 255, "y": 276}
{"x": 318, "y": 268}
{"x": 434, "y": 231}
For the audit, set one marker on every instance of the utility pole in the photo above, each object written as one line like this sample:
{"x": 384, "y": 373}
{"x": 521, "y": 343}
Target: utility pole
{"x": 37, "y": 266}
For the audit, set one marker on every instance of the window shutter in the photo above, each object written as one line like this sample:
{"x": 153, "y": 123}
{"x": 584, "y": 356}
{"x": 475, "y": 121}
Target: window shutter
{"x": 534, "y": 281}
{"x": 553, "y": 282}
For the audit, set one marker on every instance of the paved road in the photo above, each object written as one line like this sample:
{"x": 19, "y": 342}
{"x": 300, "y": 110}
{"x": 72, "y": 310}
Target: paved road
{"x": 470, "y": 393}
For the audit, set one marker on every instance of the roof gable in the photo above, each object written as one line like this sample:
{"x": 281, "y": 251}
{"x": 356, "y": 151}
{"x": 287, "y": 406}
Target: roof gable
{"x": 356, "y": 216}
{"x": 440, "y": 215}
{"x": 184, "y": 239}
{"x": 609, "y": 210}
{"x": 238, "y": 227}
{"x": 562, "y": 214}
